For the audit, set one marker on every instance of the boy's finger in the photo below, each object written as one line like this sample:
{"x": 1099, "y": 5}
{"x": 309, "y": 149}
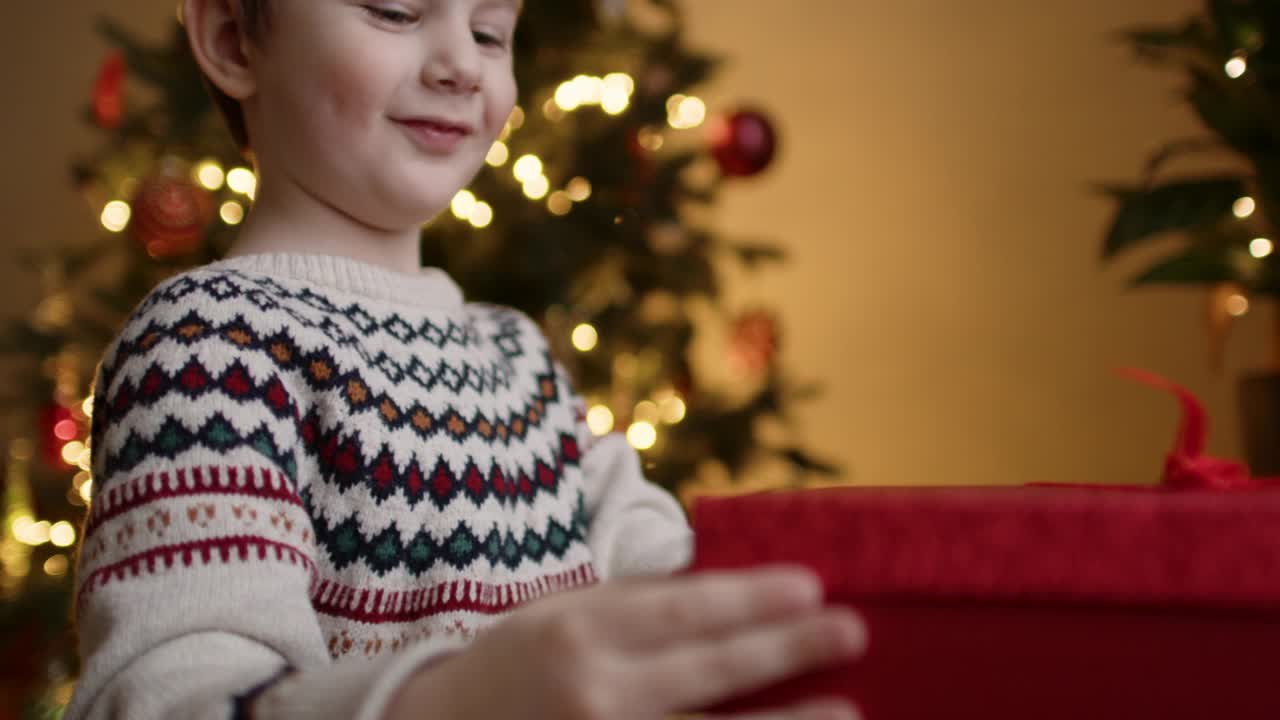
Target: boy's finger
{"x": 704, "y": 673}
{"x": 694, "y": 607}
{"x": 831, "y": 709}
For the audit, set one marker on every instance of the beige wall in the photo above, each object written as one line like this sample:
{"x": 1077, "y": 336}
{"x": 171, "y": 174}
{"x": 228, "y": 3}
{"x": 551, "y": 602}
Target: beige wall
{"x": 933, "y": 189}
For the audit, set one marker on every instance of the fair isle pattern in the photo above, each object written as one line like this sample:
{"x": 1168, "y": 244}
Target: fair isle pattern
{"x": 420, "y": 465}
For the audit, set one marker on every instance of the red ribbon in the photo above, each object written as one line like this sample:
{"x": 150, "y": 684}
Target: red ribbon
{"x": 1186, "y": 467}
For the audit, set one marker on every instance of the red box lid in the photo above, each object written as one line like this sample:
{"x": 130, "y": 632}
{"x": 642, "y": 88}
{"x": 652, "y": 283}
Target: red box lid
{"x": 1211, "y": 549}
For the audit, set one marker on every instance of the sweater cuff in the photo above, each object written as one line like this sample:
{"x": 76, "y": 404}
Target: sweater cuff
{"x": 355, "y": 689}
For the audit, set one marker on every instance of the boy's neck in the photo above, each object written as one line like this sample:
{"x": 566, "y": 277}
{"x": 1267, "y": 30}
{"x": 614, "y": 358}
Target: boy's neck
{"x": 285, "y": 219}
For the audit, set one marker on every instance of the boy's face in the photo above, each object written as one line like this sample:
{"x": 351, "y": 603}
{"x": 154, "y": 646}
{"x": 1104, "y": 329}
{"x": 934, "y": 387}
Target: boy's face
{"x": 383, "y": 109}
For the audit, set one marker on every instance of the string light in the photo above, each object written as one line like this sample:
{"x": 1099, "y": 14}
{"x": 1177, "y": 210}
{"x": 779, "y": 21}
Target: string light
{"x": 1236, "y": 67}
{"x": 498, "y": 154}
{"x": 56, "y": 566}
{"x": 71, "y": 451}
{"x": 1244, "y": 207}
{"x": 1237, "y": 305}
{"x": 210, "y": 174}
{"x": 673, "y": 409}
{"x": 31, "y": 532}
{"x": 231, "y": 212}
{"x": 87, "y": 407}
{"x": 516, "y": 119}
{"x": 115, "y": 216}
{"x": 86, "y": 490}
{"x": 646, "y": 411}
{"x": 527, "y": 168}
{"x": 684, "y": 112}
{"x": 600, "y": 420}
{"x": 642, "y": 435}
{"x": 481, "y": 214}
{"x": 559, "y": 203}
{"x": 464, "y": 203}
{"x": 243, "y": 181}
{"x": 585, "y": 337}
{"x": 1261, "y": 247}
{"x": 62, "y": 534}
{"x": 579, "y": 189}
{"x": 536, "y": 187}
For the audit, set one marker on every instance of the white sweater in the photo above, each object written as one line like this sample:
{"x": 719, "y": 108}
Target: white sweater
{"x": 312, "y": 475}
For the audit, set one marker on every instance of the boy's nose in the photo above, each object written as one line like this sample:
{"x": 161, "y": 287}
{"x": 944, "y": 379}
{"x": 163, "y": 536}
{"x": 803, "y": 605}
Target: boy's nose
{"x": 452, "y": 64}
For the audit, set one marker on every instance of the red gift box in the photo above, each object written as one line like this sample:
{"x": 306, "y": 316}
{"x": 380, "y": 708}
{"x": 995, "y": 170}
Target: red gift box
{"x": 1035, "y": 602}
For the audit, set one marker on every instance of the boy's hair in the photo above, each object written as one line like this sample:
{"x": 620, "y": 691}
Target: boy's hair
{"x": 256, "y": 17}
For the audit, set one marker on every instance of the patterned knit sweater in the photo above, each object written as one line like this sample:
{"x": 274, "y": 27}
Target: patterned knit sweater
{"x": 313, "y": 475}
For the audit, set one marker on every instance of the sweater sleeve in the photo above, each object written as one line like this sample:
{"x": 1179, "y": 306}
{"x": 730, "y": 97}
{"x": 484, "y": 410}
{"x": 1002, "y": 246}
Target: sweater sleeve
{"x": 634, "y": 526}
{"x": 193, "y": 578}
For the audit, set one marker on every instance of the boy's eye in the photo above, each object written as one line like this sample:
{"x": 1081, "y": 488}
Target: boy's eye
{"x": 395, "y": 17}
{"x": 488, "y": 39}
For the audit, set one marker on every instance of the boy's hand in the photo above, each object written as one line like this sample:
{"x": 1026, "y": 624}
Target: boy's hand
{"x": 643, "y": 649}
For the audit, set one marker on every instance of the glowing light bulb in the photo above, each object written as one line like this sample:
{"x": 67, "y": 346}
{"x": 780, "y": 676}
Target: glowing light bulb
{"x": 614, "y": 100}
{"x": 642, "y": 435}
{"x": 463, "y": 204}
{"x": 71, "y": 452}
{"x": 600, "y": 420}
{"x": 673, "y": 410}
{"x": 1244, "y": 207}
{"x": 482, "y": 215}
{"x": 579, "y": 189}
{"x": 62, "y": 534}
{"x": 646, "y": 411}
{"x": 115, "y": 216}
{"x": 516, "y": 119}
{"x": 689, "y": 112}
{"x": 568, "y": 96}
{"x": 1261, "y": 247}
{"x": 87, "y": 406}
{"x": 585, "y": 337}
{"x": 622, "y": 82}
{"x": 210, "y": 174}
{"x": 527, "y": 168}
{"x": 243, "y": 181}
{"x": 66, "y": 430}
{"x": 1236, "y": 67}
{"x": 1237, "y": 305}
{"x": 56, "y": 566}
{"x": 231, "y": 212}
{"x": 498, "y": 154}
{"x": 536, "y": 187}
{"x": 559, "y": 203}
{"x": 86, "y": 490}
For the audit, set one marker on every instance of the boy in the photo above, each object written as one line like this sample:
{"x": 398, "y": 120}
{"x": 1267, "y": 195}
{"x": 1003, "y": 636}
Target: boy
{"x": 326, "y": 487}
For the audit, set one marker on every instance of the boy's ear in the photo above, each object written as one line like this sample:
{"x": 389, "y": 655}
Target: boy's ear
{"x": 220, "y": 44}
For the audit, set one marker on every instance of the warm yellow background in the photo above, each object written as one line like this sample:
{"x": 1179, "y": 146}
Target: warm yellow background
{"x": 933, "y": 190}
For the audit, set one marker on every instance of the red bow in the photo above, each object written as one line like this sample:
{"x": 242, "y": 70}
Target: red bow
{"x": 1185, "y": 468}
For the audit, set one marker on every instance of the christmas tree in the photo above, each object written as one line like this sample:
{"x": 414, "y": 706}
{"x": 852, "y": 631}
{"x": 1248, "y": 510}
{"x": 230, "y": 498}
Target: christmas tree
{"x": 1227, "y": 218}
{"x": 585, "y": 218}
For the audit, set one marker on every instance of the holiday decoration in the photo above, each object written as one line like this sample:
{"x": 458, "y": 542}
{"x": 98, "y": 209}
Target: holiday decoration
{"x": 58, "y": 426}
{"x": 754, "y": 342}
{"x": 170, "y": 213}
{"x": 1227, "y": 219}
{"x": 743, "y": 143}
{"x": 108, "y": 92}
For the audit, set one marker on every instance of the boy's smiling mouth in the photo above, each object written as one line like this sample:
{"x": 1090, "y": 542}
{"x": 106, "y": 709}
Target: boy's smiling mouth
{"x": 435, "y": 135}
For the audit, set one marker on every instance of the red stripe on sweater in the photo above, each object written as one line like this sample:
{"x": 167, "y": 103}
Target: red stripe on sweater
{"x": 125, "y": 496}
{"x": 342, "y": 601}
{"x": 202, "y": 552}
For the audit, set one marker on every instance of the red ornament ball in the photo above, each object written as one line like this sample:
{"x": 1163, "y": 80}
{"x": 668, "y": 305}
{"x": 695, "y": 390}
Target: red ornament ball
{"x": 743, "y": 143}
{"x": 59, "y": 425}
{"x": 108, "y": 92}
{"x": 170, "y": 213}
{"x": 754, "y": 342}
